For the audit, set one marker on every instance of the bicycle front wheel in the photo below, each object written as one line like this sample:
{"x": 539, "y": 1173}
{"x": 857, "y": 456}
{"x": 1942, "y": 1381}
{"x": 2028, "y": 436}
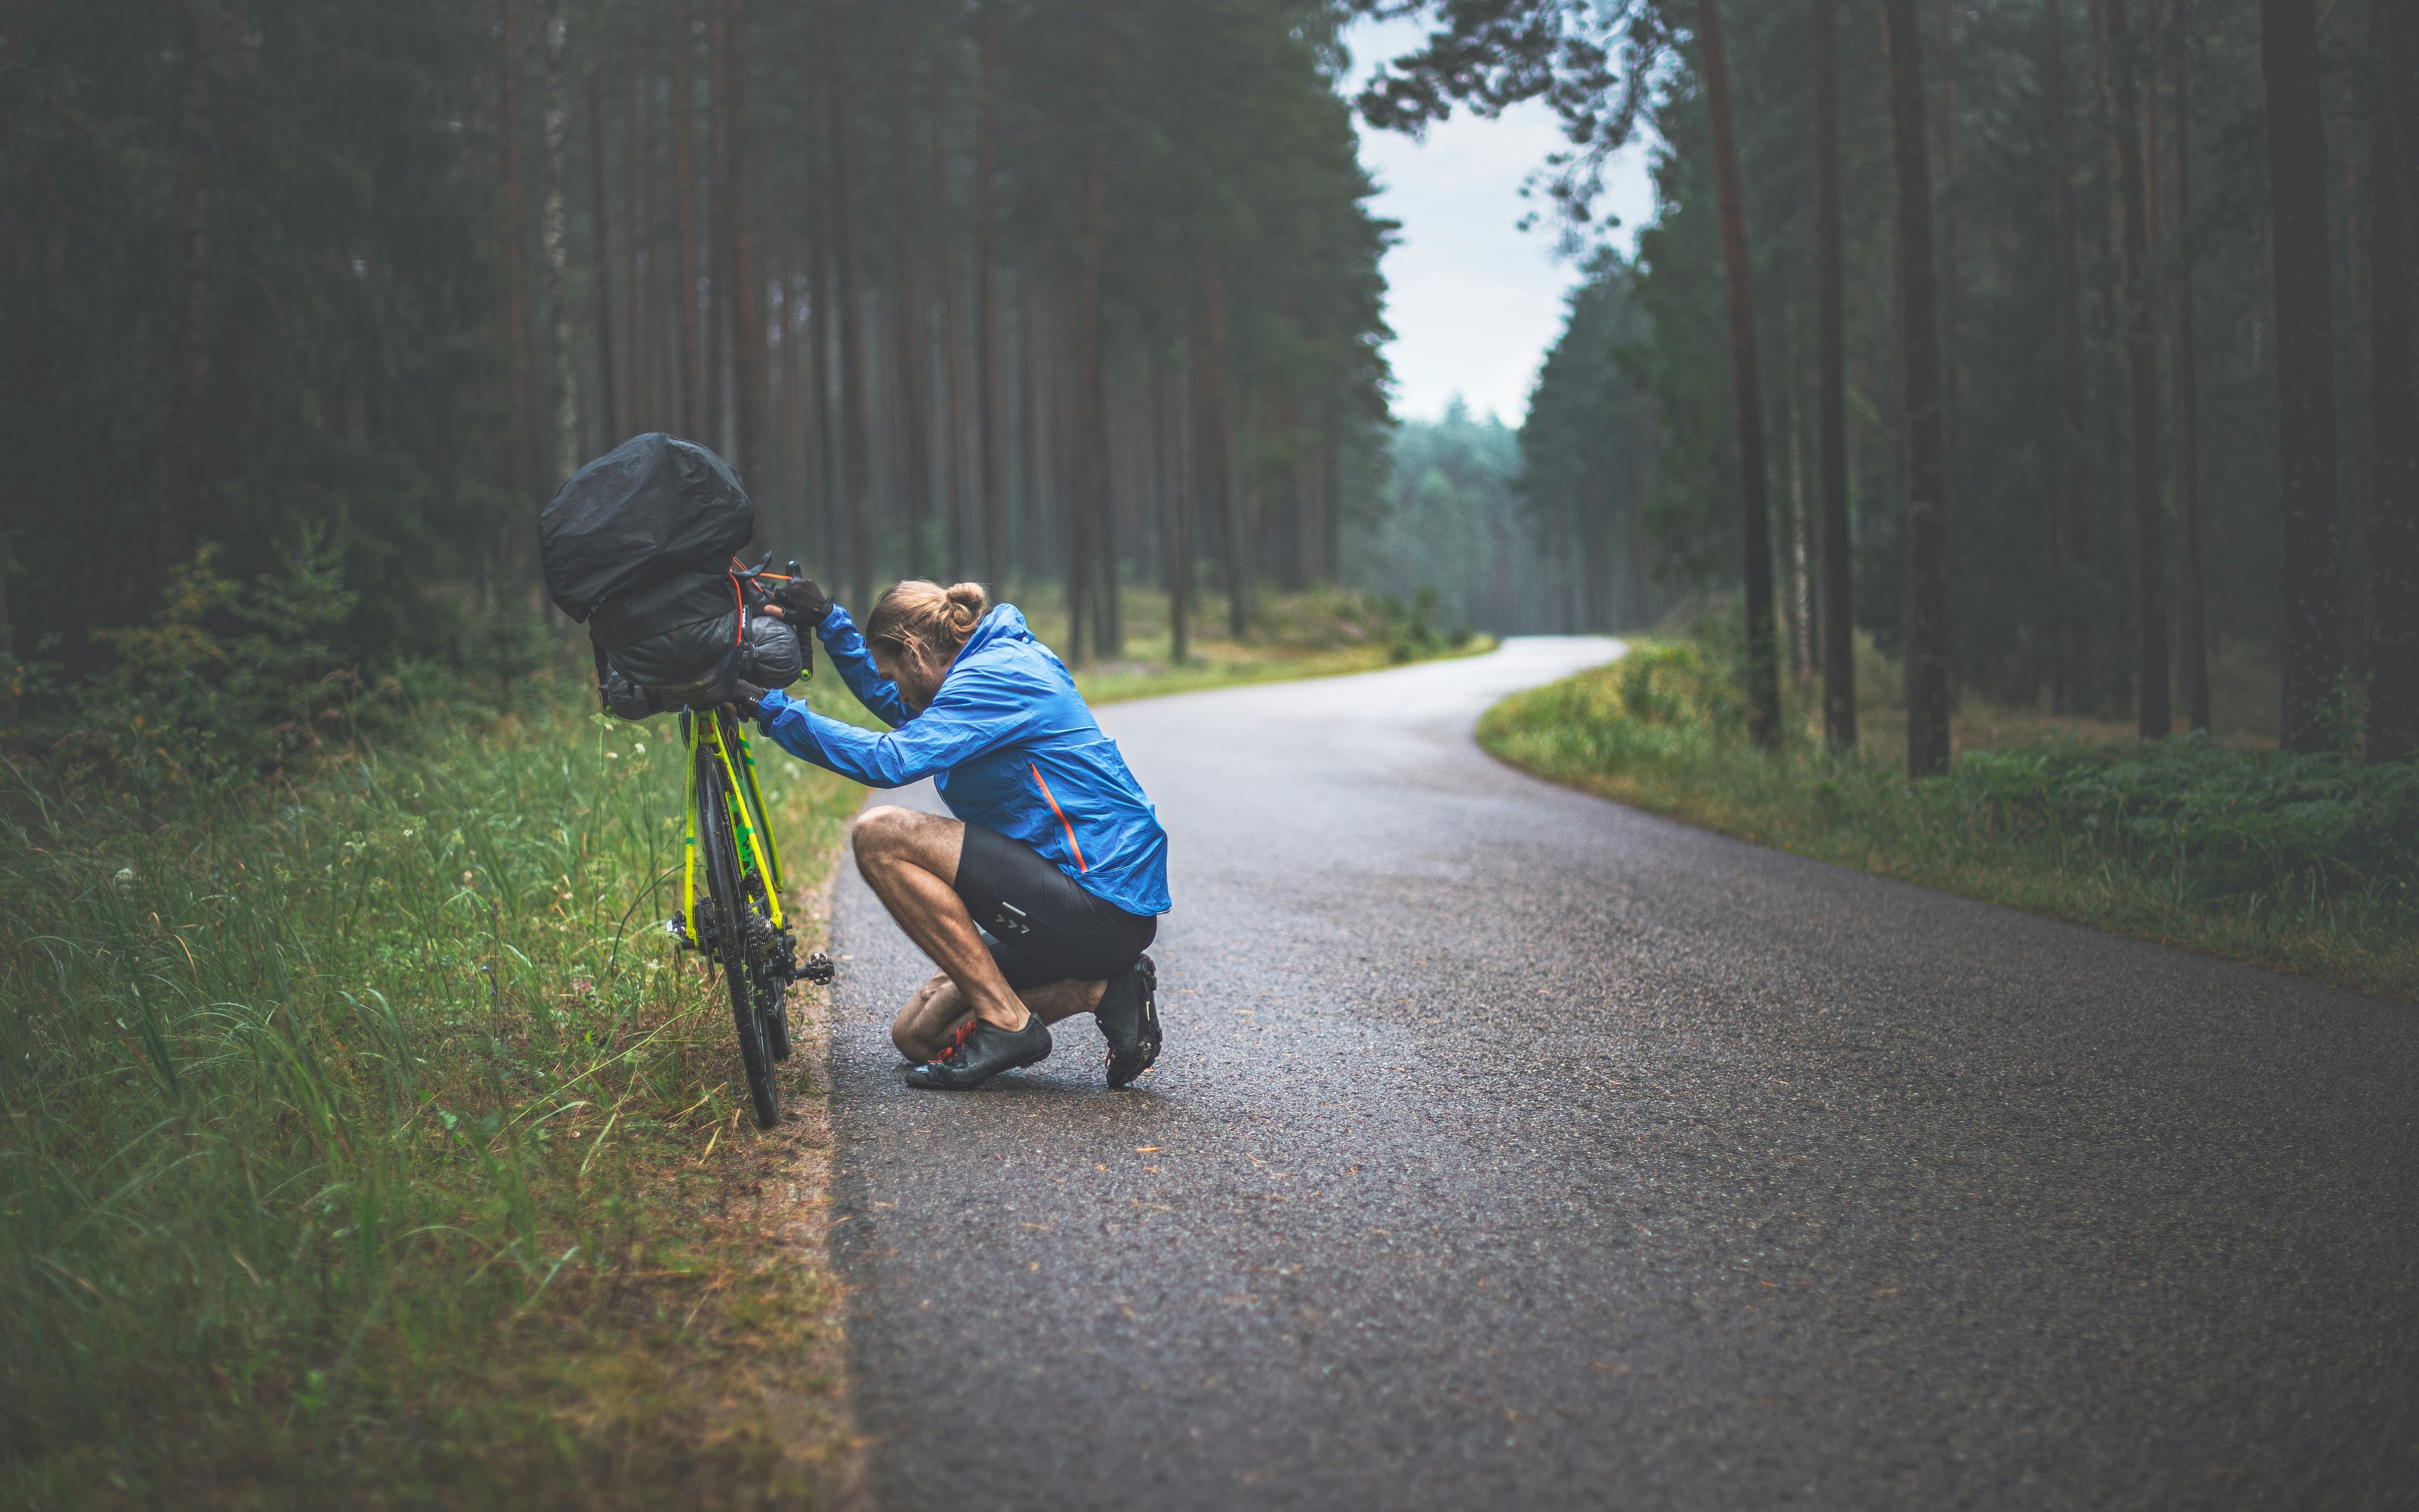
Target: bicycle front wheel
{"x": 741, "y": 954}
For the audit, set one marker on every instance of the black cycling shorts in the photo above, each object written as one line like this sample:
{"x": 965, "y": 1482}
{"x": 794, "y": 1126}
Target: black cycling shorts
{"x": 1044, "y": 928}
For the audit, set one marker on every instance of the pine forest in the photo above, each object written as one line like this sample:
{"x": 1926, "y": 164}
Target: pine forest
{"x": 1089, "y": 295}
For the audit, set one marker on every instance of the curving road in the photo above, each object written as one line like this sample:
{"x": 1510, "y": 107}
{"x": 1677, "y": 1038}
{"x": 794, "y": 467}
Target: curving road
{"x": 1513, "y": 1148}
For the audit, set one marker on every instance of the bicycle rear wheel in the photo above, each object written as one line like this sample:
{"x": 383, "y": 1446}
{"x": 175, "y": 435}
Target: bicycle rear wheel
{"x": 745, "y": 969}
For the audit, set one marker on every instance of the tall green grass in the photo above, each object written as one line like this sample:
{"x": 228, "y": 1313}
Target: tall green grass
{"x": 2306, "y": 863}
{"x": 358, "y": 1134}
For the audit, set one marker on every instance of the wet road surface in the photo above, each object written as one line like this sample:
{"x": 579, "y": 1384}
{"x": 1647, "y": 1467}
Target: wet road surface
{"x": 1513, "y": 1148}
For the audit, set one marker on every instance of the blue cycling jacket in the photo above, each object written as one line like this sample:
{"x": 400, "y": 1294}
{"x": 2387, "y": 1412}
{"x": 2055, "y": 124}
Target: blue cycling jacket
{"x": 1010, "y": 745}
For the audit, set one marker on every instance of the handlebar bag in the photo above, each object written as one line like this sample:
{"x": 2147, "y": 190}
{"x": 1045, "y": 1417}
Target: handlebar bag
{"x": 651, "y": 510}
{"x": 685, "y": 640}
{"x": 775, "y": 654}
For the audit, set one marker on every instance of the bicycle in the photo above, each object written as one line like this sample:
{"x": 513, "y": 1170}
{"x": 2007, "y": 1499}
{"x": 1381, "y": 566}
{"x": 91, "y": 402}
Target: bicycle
{"x": 736, "y": 921}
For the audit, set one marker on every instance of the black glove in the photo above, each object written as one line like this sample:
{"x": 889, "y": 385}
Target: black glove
{"x": 802, "y": 602}
{"x": 747, "y": 698}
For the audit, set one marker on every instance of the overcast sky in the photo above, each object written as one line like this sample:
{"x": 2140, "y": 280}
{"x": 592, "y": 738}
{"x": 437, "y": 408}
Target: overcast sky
{"x": 1474, "y": 301}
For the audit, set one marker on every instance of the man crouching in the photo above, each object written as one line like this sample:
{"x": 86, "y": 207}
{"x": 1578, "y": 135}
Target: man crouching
{"x": 1053, "y": 850}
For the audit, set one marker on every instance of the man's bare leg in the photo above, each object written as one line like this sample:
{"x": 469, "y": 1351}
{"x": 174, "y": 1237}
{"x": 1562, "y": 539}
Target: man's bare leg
{"x": 910, "y": 861}
{"x": 933, "y": 1015}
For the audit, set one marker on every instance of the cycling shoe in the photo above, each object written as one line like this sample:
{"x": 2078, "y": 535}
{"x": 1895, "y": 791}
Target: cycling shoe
{"x": 980, "y": 1051}
{"x": 1129, "y": 1018}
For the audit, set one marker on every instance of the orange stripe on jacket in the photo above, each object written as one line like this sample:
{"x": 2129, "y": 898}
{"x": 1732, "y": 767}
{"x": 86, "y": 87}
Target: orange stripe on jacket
{"x": 1080, "y": 864}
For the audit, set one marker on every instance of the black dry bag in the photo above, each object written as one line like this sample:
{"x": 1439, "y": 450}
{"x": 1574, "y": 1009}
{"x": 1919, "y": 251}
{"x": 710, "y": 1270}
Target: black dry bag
{"x": 651, "y": 509}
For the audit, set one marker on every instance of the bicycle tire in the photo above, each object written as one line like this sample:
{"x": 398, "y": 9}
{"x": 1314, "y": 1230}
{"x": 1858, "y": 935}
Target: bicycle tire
{"x": 777, "y": 1017}
{"x": 772, "y": 984}
{"x": 741, "y": 968}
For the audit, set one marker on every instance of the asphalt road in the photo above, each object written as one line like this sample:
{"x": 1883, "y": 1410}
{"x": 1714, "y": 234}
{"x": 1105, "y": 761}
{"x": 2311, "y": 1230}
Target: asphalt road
{"x": 1513, "y": 1148}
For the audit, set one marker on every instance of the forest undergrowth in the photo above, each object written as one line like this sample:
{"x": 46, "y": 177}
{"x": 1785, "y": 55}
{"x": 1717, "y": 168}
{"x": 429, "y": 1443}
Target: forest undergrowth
{"x": 2303, "y": 863}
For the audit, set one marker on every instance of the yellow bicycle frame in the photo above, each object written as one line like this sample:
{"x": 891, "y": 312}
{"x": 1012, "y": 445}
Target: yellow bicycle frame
{"x": 753, "y": 830}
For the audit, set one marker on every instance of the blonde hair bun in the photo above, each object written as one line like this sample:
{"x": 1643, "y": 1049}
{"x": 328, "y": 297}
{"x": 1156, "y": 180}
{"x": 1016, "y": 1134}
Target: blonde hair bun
{"x": 967, "y": 602}
{"x": 922, "y": 615}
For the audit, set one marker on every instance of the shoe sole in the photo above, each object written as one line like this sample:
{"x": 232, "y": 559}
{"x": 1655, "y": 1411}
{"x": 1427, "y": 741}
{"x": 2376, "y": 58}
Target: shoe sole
{"x": 1119, "y": 1077}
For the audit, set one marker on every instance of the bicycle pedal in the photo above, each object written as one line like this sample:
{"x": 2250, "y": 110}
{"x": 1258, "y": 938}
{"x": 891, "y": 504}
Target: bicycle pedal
{"x": 817, "y": 968}
{"x": 678, "y": 928}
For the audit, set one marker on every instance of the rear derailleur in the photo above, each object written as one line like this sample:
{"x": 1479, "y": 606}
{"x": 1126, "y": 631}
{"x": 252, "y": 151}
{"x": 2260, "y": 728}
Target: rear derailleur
{"x": 782, "y": 958}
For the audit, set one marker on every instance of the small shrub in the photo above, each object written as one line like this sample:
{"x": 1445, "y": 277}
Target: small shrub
{"x": 225, "y": 680}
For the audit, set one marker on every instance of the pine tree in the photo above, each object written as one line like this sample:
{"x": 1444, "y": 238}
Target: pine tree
{"x": 2305, "y": 380}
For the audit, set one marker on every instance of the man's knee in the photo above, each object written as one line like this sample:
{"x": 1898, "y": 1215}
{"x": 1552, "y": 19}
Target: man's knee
{"x": 904, "y": 1034}
{"x": 922, "y": 1024}
{"x": 883, "y": 828}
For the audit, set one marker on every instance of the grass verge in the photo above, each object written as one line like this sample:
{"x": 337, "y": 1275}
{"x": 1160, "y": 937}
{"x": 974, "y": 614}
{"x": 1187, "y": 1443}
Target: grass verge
{"x": 366, "y": 1145}
{"x": 2304, "y": 864}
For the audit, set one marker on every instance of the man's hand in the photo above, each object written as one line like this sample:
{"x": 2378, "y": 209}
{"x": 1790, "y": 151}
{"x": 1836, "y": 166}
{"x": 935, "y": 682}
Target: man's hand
{"x": 802, "y": 603}
{"x": 747, "y": 698}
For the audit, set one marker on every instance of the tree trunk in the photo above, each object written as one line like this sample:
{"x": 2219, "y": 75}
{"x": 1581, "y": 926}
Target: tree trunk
{"x": 1925, "y": 531}
{"x": 639, "y": 413}
{"x": 907, "y": 325}
{"x": 563, "y": 460}
{"x": 953, "y": 449}
{"x": 609, "y": 397}
{"x": 1032, "y": 427}
{"x": 1094, "y": 477}
{"x": 2355, "y": 488}
{"x": 1176, "y": 437}
{"x": 1747, "y": 398}
{"x": 183, "y": 485}
{"x": 1801, "y": 647}
{"x": 988, "y": 395}
{"x": 1068, "y": 433}
{"x": 789, "y": 419}
{"x": 663, "y": 400}
{"x": 823, "y": 425}
{"x": 1108, "y": 635}
{"x": 1642, "y": 604}
{"x": 2113, "y": 685}
{"x": 858, "y": 428}
{"x": 2305, "y": 373}
{"x": 1831, "y": 404}
{"x": 716, "y": 258}
{"x": 1217, "y": 448}
{"x": 1284, "y": 428}
{"x": 1952, "y": 273}
{"x": 2393, "y": 414}
{"x": 1331, "y": 487}
{"x": 520, "y": 474}
{"x": 2070, "y": 521}
{"x": 7, "y": 625}
{"x": 691, "y": 419}
{"x": 735, "y": 249}
{"x": 2191, "y": 620}
{"x": 2151, "y": 709}
{"x": 1594, "y": 543}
